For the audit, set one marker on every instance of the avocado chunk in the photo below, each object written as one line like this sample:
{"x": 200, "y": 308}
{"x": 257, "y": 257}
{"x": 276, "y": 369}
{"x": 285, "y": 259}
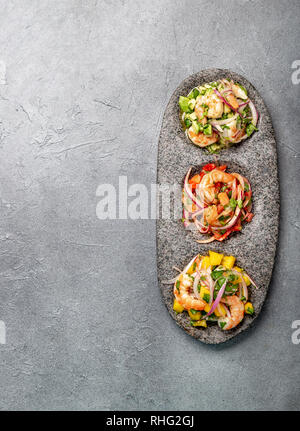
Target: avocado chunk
{"x": 184, "y": 104}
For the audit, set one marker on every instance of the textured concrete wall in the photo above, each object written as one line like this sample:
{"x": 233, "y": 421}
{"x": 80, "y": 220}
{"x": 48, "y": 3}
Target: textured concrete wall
{"x": 86, "y": 86}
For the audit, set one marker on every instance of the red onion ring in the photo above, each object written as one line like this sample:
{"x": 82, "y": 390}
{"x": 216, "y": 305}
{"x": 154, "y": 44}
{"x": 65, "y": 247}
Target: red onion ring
{"x": 251, "y": 280}
{"x": 254, "y": 113}
{"x": 225, "y": 101}
{"x": 195, "y": 286}
{"x": 206, "y": 241}
{"x": 189, "y": 192}
{"x": 223, "y": 122}
{"x": 244, "y": 286}
{"x": 217, "y": 300}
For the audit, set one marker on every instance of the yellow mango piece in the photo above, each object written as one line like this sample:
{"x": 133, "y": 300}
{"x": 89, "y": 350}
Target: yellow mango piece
{"x": 207, "y": 308}
{"x": 195, "y": 315}
{"x": 249, "y": 309}
{"x": 215, "y": 258}
{"x": 177, "y": 307}
{"x": 192, "y": 268}
{"x": 220, "y": 311}
{"x": 245, "y": 277}
{"x": 228, "y": 262}
{"x": 247, "y": 281}
{"x": 204, "y": 293}
{"x": 200, "y": 323}
{"x": 205, "y": 262}
{"x": 238, "y": 269}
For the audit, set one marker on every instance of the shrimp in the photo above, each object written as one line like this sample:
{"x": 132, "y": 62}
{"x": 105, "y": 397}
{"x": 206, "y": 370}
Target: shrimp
{"x": 233, "y": 133}
{"x": 185, "y": 297}
{"x": 215, "y": 105}
{"x": 202, "y": 140}
{"x": 232, "y": 100}
{"x": 207, "y": 188}
{"x": 238, "y": 92}
{"x": 219, "y": 176}
{"x": 236, "y": 310}
{"x": 200, "y": 112}
{"x": 211, "y": 215}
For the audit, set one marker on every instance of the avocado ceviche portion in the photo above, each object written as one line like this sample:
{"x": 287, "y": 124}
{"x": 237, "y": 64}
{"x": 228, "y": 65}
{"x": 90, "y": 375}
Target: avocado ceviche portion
{"x": 217, "y": 115}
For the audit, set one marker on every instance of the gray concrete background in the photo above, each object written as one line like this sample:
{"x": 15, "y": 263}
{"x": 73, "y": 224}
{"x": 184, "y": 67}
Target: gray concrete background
{"x": 87, "y": 84}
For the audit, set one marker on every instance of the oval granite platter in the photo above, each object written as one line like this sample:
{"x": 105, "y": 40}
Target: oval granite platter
{"x": 255, "y": 246}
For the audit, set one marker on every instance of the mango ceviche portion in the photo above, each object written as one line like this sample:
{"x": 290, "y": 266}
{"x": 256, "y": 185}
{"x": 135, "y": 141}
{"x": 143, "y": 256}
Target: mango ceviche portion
{"x": 213, "y": 289}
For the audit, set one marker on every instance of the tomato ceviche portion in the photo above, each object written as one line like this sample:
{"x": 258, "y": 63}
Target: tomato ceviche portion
{"x": 211, "y": 289}
{"x": 218, "y": 114}
{"x": 216, "y": 202}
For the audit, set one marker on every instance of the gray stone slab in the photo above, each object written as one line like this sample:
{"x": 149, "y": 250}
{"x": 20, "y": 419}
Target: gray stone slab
{"x": 256, "y": 159}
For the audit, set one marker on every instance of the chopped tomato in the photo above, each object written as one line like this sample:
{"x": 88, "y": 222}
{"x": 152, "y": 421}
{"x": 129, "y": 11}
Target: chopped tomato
{"x": 220, "y": 208}
{"x": 222, "y": 237}
{"x": 237, "y": 227}
{"x": 209, "y": 167}
{"x": 249, "y": 217}
{"x": 222, "y": 168}
{"x": 219, "y": 185}
{"x": 195, "y": 180}
{"x": 201, "y": 175}
{"x": 248, "y": 194}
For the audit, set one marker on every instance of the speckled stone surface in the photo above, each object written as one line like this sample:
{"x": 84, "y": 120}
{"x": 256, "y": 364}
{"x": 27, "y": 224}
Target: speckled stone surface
{"x": 256, "y": 159}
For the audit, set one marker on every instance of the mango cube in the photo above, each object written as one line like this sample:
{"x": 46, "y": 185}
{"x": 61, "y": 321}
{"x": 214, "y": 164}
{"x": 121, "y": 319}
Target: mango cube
{"x": 238, "y": 269}
{"x": 205, "y": 262}
{"x": 207, "y": 308}
{"x": 177, "y": 307}
{"x": 205, "y": 293}
{"x": 228, "y": 262}
{"x": 194, "y": 314}
{"x": 249, "y": 308}
{"x": 200, "y": 323}
{"x": 215, "y": 258}
{"x": 220, "y": 311}
{"x": 247, "y": 281}
{"x": 245, "y": 277}
{"x": 192, "y": 268}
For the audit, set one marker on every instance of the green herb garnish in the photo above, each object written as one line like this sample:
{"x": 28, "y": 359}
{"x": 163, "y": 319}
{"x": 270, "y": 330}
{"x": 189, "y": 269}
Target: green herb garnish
{"x": 232, "y": 203}
{"x": 206, "y": 297}
{"x": 250, "y": 129}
